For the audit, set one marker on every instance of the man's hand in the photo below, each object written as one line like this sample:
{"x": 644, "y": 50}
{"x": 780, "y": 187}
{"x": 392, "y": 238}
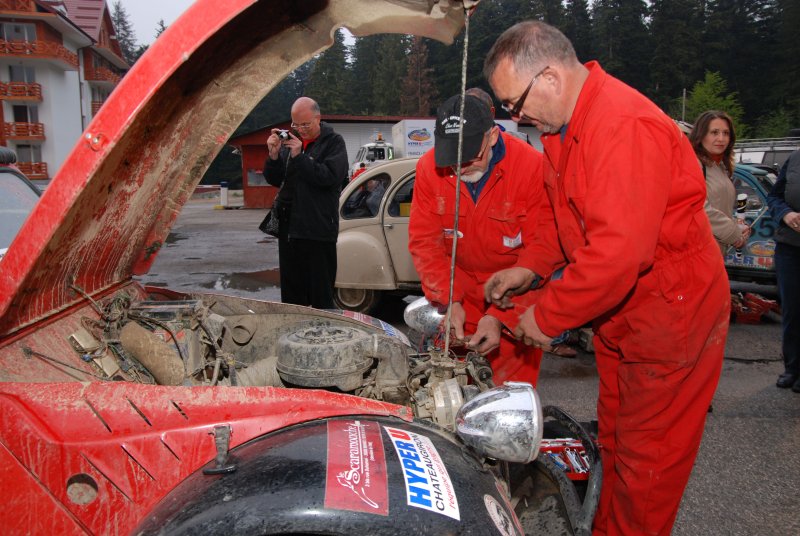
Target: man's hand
{"x": 457, "y": 319}
{"x": 274, "y": 144}
{"x": 506, "y": 283}
{"x": 487, "y": 335}
{"x": 294, "y": 144}
{"x": 528, "y": 330}
{"x": 792, "y": 220}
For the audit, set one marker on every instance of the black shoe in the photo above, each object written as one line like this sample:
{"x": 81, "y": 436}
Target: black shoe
{"x": 787, "y": 380}
{"x": 796, "y": 386}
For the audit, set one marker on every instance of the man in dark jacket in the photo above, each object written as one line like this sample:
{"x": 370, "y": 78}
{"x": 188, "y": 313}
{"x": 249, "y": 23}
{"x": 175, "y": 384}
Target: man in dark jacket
{"x": 308, "y": 166}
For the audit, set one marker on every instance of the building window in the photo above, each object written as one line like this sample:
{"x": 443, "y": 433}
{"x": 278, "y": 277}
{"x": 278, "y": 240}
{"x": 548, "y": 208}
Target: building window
{"x": 26, "y": 113}
{"x": 12, "y": 31}
{"x": 21, "y": 73}
{"x": 29, "y": 153}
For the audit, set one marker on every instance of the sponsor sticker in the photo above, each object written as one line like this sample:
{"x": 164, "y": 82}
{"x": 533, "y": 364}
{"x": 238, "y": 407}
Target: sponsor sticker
{"x": 356, "y": 474}
{"x": 428, "y": 485}
{"x": 504, "y": 523}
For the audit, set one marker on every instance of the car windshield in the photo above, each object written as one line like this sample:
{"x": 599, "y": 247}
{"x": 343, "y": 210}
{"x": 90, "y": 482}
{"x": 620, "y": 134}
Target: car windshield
{"x": 17, "y": 199}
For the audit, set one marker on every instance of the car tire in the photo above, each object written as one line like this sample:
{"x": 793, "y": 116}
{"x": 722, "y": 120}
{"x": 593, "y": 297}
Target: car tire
{"x": 362, "y": 300}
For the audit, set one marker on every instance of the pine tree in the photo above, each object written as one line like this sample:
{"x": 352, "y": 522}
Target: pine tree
{"x": 623, "y": 41}
{"x": 712, "y": 94}
{"x": 390, "y": 69}
{"x": 126, "y": 37}
{"x": 418, "y": 95}
{"x": 676, "y": 27}
{"x": 160, "y": 28}
{"x": 328, "y": 82}
{"x": 364, "y": 62}
{"x": 578, "y": 28}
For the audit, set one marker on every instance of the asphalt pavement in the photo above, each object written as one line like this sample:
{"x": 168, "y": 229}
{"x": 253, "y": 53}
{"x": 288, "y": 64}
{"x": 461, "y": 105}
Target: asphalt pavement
{"x": 746, "y": 479}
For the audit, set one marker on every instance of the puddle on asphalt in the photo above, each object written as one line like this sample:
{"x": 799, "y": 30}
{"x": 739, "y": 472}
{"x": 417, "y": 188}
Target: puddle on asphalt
{"x": 174, "y": 237}
{"x": 250, "y": 281}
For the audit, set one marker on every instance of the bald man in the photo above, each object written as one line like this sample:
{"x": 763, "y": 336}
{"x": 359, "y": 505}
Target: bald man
{"x": 308, "y": 166}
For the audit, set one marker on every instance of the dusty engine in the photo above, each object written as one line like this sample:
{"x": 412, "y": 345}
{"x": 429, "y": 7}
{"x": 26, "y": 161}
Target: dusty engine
{"x": 185, "y": 343}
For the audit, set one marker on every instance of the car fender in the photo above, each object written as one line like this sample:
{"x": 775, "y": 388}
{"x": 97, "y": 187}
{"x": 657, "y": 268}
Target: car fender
{"x": 363, "y": 261}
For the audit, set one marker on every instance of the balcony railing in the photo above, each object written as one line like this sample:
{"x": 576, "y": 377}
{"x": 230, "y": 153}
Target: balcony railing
{"x": 16, "y": 5}
{"x": 23, "y": 130}
{"x": 33, "y": 170}
{"x": 101, "y": 74}
{"x": 96, "y": 107}
{"x": 20, "y": 91}
{"x": 38, "y": 49}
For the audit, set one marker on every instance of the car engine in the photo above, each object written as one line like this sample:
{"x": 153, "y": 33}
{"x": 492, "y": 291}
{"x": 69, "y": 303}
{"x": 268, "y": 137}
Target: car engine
{"x": 186, "y": 343}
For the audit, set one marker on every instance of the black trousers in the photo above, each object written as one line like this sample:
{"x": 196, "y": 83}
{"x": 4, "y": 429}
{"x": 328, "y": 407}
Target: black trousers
{"x": 308, "y": 272}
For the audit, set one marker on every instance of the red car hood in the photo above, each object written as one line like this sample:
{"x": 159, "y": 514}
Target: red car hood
{"x": 109, "y": 209}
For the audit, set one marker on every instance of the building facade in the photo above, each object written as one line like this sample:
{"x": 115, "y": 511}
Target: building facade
{"x": 59, "y": 61}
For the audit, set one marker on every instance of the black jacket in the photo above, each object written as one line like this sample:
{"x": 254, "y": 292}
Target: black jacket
{"x": 310, "y": 184}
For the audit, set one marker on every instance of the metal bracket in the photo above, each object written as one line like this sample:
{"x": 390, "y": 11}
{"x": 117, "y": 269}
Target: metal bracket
{"x": 222, "y": 440}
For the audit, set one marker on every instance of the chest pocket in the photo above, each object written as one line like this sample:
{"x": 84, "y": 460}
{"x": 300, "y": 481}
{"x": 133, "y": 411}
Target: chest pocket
{"x": 504, "y": 232}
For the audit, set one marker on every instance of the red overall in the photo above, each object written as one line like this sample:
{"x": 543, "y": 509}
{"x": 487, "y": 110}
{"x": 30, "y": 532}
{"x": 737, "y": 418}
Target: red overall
{"x": 494, "y": 233}
{"x": 627, "y": 196}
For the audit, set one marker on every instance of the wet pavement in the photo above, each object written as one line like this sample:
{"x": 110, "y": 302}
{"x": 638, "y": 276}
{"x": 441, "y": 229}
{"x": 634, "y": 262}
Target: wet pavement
{"x": 746, "y": 479}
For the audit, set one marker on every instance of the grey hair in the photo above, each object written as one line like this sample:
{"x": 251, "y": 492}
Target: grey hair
{"x": 481, "y": 95}
{"x": 530, "y": 46}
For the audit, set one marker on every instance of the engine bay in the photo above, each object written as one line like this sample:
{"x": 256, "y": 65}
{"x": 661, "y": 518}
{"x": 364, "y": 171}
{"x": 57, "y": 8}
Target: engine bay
{"x": 197, "y": 342}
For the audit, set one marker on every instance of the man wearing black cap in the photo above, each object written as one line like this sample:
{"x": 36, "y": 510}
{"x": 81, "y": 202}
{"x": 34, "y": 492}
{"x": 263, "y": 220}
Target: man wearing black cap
{"x": 501, "y": 193}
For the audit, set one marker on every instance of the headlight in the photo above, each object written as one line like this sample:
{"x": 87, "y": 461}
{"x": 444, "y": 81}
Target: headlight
{"x": 504, "y": 423}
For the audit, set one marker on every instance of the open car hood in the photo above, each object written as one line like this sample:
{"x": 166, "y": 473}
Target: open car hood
{"x": 109, "y": 209}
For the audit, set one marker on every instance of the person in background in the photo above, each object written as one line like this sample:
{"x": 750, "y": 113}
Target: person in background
{"x": 627, "y": 197}
{"x": 712, "y": 139}
{"x": 784, "y": 206}
{"x": 362, "y": 167}
{"x": 486, "y": 98}
{"x": 308, "y": 167}
{"x": 500, "y": 191}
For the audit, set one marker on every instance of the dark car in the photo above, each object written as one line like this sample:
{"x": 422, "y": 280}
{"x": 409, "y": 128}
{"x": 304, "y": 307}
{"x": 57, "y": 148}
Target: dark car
{"x": 754, "y": 262}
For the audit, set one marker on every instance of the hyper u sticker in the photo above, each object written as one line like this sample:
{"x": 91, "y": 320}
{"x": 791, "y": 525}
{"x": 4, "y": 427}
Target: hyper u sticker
{"x": 428, "y": 485}
{"x": 356, "y": 474}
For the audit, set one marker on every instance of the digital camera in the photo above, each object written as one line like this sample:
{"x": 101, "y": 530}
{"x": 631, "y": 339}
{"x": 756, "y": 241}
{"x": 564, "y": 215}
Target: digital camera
{"x": 283, "y": 135}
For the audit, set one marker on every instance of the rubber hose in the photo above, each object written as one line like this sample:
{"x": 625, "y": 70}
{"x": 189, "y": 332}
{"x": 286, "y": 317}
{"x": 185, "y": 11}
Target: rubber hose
{"x": 154, "y": 354}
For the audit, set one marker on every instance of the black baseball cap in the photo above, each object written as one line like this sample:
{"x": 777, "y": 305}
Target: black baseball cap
{"x": 477, "y": 122}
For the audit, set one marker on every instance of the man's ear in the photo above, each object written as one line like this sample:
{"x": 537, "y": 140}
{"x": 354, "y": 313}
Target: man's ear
{"x": 493, "y": 135}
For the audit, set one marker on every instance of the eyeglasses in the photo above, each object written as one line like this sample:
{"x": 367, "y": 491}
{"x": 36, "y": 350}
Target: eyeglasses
{"x": 302, "y": 126}
{"x": 516, "y": 110}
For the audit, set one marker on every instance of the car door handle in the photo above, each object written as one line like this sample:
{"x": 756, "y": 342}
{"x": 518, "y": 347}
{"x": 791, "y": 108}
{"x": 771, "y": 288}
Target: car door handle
{"x": 388, "y": 226}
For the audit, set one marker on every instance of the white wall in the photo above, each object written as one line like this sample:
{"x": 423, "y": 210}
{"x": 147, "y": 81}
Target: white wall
{"x": 60, "y": 113}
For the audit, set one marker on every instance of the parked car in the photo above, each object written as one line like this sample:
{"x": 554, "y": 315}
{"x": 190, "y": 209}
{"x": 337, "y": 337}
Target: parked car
{"x": 132, "y": 410}
{"x": 372, "y": 250}
{"x": 754, "y": 262}
{"x": 18, "y": 196}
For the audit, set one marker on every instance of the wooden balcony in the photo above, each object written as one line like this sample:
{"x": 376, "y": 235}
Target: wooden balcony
{"x": 33, "y": 170}
{"x": 16, "y": 5}
{"x": 23, "y": 131}
{"x": 20, "y": 91}
{"x": 102, "y": 74}
{"x": 96, "y": 107}
{"x": 40, "y": 49}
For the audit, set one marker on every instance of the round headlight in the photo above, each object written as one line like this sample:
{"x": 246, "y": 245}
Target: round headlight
{"x": 504, "y": 423}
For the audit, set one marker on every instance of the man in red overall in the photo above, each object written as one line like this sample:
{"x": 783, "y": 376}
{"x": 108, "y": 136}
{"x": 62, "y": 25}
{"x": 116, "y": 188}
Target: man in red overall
{"x": 627, "y": 197}
{"x": 501, "y": 192}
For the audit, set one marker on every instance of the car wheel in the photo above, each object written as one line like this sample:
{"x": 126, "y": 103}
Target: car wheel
{"x": 362, "y": 300}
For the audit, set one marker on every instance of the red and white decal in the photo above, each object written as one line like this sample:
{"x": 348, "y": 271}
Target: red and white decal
{"x": 356, "y": 473}
{"x": 427, "y": 482}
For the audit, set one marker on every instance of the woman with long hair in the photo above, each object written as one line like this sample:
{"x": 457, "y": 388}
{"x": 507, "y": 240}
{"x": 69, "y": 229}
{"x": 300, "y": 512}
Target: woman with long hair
{"x": 713, "y": 137}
